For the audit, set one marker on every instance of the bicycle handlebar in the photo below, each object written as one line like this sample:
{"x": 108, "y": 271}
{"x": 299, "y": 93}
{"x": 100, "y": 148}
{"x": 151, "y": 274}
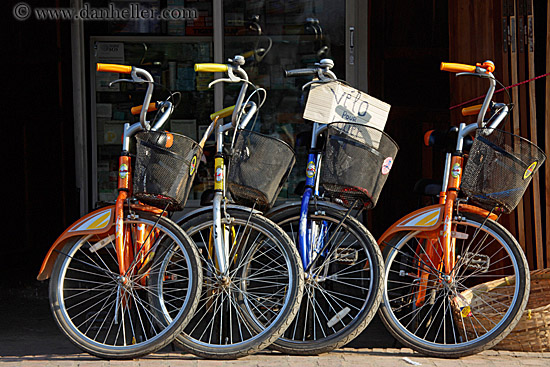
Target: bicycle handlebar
{"x": 321, "y": 70}
{"x": 222, "y": 113}
{"x": 479, "y": 68}
{"x": 471, "y": 110}
{"x": 235, "y": 74}
{"x": 114, "y": 68}
{"x": 138, "y": 76}
{"x": 457, "y": 68}
{"x": 152, "y": 107}
{"x": 484, "y": 69}
{"x": 211, "y": 68}
{"x": 300, "y": 72}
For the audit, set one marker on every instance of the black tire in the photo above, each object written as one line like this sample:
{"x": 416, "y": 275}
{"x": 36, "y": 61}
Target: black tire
{"x": 112, "y": 319}
{"x": 356, "y": 300}
{"x": 452, "y": 321}
{"x": 248, "y": 313}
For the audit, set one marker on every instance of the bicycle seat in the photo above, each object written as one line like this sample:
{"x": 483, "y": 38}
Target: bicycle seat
{"x": 445, "y": 140}
{"x": 427, "y": 187}
{"x": 207, "y": 196}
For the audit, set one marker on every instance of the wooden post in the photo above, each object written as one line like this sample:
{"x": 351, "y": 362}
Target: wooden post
{"x": 547, "y": 137}
{"x": 515, "y": 111}
{"x": 507, "y": 220}
{"x": 522, "y": 108}
{"x": 539, "y": 245}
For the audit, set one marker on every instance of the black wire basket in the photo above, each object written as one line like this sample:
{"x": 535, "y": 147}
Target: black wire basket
{"x": 500, "y": 166}
{"x": 356, "y": 163}
{"x": 258, "y": 169}
{"x": 165, "y": 167}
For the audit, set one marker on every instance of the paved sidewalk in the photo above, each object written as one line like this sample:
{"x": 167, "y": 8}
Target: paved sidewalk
{"x": 29, "y": 337}
{"x": 342, "y": 357}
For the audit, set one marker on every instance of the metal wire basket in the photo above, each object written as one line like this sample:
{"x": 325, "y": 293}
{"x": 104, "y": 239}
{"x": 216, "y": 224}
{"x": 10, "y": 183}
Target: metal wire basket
{"x": 356, "y": 163}
{"x": 166, "y": 164}
{"x": 499, "y": 169}
{"x": 258, "y": 168}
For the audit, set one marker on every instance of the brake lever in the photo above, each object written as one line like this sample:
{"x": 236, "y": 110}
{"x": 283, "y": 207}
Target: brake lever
{"x": 120, "y": 81}
{"x": 322, "y": 79}
{"x": 221, "y": 80}
{"x": 135, "y": 79}
{"x": 473, "y": 74}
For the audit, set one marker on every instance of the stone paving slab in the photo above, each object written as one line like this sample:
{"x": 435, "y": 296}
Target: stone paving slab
{"x": 339, "y": 358}
{"x": 29, "y": 337}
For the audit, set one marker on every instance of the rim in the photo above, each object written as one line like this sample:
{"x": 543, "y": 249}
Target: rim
{"x": 335, "y": 307}
{"x": 239, "y": 295}
{"x": 404, "y": 330}
{"x": 146, "y": 311}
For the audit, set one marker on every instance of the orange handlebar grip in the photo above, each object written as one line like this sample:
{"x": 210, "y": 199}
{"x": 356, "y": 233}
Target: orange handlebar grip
{"x": 457, "y": 68}
{"x": 211, "y": 68}
{"x": 114, "y": 68}
{"x": 137, "y": 109}
{"x": 471, "y": 110}
{"x": 222, "y": 113}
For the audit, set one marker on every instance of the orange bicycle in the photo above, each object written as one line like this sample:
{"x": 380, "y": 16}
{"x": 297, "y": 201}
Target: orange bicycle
{"x": 456, "y": 281}
{"x": 113, "y": 271}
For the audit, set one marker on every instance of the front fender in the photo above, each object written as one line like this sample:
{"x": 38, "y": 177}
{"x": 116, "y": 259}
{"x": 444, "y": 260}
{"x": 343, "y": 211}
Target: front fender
{"x": 427, "y": 219}
{"x": 199, "y": 211}
{"x": 275, "y": 210}
{"x": 98, "y": 222}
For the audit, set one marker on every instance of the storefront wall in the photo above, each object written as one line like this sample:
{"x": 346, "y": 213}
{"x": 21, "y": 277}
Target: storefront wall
{"x": 272, "y": 35}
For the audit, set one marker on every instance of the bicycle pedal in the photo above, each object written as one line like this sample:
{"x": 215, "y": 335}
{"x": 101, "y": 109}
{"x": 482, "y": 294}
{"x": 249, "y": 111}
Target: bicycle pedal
{"x": 346, "y": 256}
{"x": 476, "y": 261}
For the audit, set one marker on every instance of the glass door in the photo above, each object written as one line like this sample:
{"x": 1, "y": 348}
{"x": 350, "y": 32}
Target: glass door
{"x": 272, "y": 34}
{"x": 278, "y": 35}
{"x": 170, "y": 60}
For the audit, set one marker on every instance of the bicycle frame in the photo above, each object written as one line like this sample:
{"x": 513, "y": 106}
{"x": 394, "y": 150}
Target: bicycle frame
{"x": 435, "y": 221}
{"x": 308, "y": 235}
{"x": 220, "y": 232}
{"x": 100, "y": 223}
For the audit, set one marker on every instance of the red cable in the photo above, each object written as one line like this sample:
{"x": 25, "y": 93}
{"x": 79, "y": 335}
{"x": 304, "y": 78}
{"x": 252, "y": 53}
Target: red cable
{"x": 500, "y": 90}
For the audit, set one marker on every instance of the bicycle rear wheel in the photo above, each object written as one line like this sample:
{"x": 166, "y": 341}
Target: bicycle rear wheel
{"x": 462, "y": 315}
{"x": 255, "y": 303}
{"x": 116, "y": 317}
{"x": 343, "y": 288}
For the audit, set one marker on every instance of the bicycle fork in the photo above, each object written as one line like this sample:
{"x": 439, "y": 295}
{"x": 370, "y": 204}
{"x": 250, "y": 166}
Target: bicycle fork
{"x": 440, "y": 253}
{"x": 220, "y": 231}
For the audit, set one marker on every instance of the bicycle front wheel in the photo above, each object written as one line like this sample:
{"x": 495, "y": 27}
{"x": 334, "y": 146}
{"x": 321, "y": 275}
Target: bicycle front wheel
{"x": 462, "y": 314}
{"x": 343, "y": 287}
{"x": 248, "y": 309}
{"x": 117, "y": 317}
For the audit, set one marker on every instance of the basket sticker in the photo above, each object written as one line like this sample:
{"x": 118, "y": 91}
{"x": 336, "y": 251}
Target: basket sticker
{"x": 529, "y": 171}
{"x": 455, "y": 172}
{"x": 310, "y": 170}
{"x": 386, "y": 166}
{"x": 193, "y": 165}
{"x": 123, "y": 171}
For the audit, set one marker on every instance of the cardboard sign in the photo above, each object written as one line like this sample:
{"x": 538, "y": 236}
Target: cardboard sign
{"x": 337, "y": 102}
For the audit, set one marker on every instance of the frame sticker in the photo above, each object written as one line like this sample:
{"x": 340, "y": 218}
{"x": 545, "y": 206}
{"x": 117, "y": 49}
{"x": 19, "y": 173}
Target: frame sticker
{"x": 310, "y": 170}
{"x": 123, "y": 171}
{"x": 455, "y": 172}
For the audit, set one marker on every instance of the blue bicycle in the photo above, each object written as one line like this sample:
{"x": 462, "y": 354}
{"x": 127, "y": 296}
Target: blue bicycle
{"x": 342, "y": 262}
